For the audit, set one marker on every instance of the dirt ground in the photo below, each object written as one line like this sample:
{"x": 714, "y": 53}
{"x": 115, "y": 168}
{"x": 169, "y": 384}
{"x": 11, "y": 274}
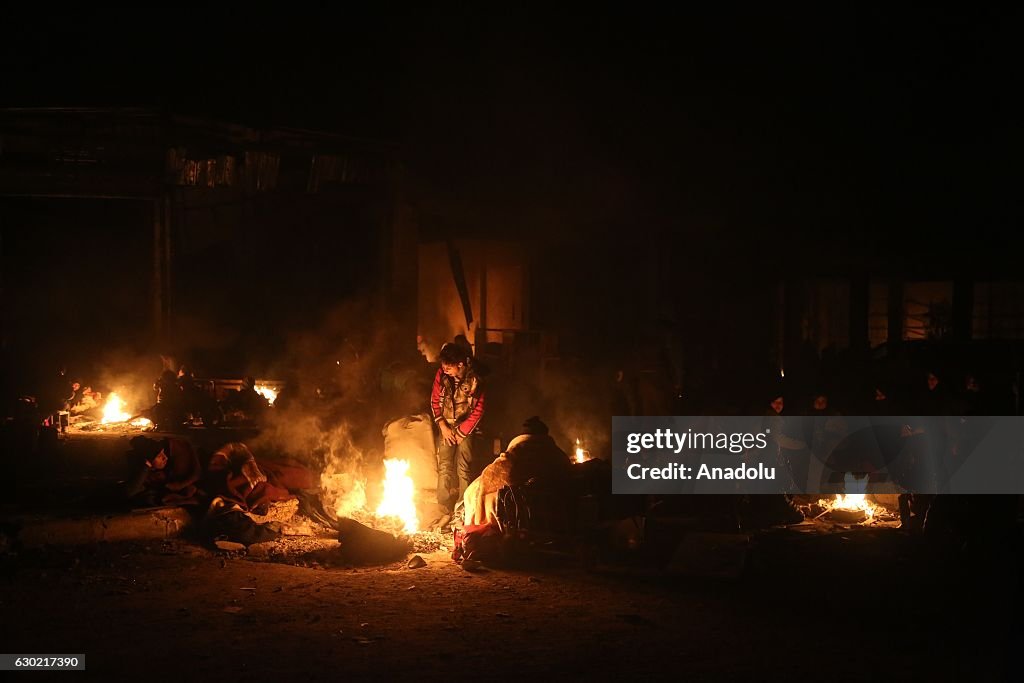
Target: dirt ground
{"x": 848, "y": 606}
{"x": 823, "y": 603}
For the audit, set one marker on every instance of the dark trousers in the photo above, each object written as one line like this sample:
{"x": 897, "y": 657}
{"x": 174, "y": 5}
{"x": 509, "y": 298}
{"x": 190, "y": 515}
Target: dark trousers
{"x": 454, "y": 471}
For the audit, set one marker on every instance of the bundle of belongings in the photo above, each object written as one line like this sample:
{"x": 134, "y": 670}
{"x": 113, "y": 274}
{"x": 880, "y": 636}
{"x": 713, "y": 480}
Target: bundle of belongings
{"x": 531, "y": 458}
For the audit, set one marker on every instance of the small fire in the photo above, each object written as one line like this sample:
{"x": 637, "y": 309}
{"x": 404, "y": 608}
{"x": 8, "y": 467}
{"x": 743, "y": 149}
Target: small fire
{"x": 113, "y": 410}
{"x": 851, "y": 501}
{"x": 266, "y": 392}
{"x": 581, "y": 454}
{"x": 398, "y": 495}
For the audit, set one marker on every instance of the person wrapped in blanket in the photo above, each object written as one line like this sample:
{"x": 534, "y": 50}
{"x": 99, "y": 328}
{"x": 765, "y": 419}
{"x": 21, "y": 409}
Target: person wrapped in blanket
{"x": 533, "y": 455}
{"x": 166, "y": 473}
{"x": 242, "y": 489}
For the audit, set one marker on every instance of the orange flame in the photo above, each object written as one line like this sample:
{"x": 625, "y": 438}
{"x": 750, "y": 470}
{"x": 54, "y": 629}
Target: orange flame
{"x": 399, "y": 494}
{"x": 581, "y": 454}
{"x": 113, "y": 410}
{"x": 851, "y": 501}
{"x": 266, "y": 392}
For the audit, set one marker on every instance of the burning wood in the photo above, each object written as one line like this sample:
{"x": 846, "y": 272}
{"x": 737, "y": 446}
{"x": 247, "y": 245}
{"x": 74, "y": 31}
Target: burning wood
{"x": 851, "y": 507}
{"x": 345, "y": 493}
{"x": 114, "y": 417}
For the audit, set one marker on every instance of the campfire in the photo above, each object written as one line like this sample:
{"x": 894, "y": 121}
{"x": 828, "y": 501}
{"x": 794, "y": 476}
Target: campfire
{"x": 113, "y": 410}
{"x": 115, "y": 415}
{"x": 582, "y": 455}
{"x": 851, "y": 507}
{"x": 399, "y": 494}
{"x": 396, "y": 511}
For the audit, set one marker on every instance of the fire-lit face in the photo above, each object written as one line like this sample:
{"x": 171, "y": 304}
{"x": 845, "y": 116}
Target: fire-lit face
{"x": 879, "y": 395}
{"x": 160, "y": 460}
{"x": 777, "y": 404}
{"x": 75, "y": 386}
{"x": 933, "y": 381}
{"x": 820, "y": 402}
{"x": 972, "y": 383}
{"x": 453, "y": 370}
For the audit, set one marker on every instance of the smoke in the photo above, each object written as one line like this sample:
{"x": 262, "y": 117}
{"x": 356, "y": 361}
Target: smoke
{"x": 574, "y": 402}
{"x": 126, "y": 371}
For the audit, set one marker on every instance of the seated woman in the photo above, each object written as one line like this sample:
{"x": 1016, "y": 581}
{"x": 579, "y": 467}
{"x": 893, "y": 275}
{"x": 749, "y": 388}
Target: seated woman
{"x": 533, "y": 455}
{"x": 167, "y": 472}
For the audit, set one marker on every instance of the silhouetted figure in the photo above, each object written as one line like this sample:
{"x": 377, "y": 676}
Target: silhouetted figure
{"x": 246, "y": 403}
{"x": 168, "y": 413}
{"x": 197, "y": 403}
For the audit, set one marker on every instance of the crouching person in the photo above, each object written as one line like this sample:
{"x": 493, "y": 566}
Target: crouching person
{"x": 532, "y": 456}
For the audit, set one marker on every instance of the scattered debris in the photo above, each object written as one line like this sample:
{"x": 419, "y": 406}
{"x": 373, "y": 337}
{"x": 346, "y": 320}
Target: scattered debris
{"x": 429, "y": 541}
{"x": 232, "y": 610}
{"x": 300, "y": 528}
{"x": 416, "y": 562}
{"x": 279, "y": 511}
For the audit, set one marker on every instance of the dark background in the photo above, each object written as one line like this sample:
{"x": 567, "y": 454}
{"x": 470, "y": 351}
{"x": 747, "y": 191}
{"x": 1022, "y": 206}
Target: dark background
{"x": 705, "y": 152}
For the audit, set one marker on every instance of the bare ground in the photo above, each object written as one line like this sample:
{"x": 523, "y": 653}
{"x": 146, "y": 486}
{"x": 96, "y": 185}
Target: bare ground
{"x": 849, "y": 606}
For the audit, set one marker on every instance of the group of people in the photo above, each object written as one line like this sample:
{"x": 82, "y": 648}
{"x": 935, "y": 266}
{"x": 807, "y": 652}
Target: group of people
{"x": 180, "y": 400}
{"x": 939, "y": 429}
{"x": 230, "y": 489}
{"x": 457, "y": 404}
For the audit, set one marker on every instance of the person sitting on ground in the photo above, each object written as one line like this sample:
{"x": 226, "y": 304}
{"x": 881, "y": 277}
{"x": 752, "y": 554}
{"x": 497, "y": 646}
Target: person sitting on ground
{"x": 197, "y": 403}
{"x": 74, "y": 397}
{"x": 90, "y": 401}
{"x": 242, "y": 490}
{"x": 235, "y": 476}
{"x": 531, "y": 456}
{"x": 168, "y": 413}
{"x": 167, "y": 471}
